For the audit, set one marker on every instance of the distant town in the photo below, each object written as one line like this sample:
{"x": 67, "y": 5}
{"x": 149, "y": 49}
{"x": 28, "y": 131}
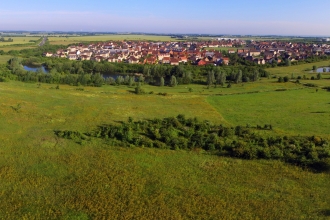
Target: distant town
{"x": 215, "y": 52}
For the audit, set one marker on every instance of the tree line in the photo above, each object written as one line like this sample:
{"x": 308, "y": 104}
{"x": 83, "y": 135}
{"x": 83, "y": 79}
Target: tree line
{"x": 2, "y": 39}
{"x": 101, "y": 73}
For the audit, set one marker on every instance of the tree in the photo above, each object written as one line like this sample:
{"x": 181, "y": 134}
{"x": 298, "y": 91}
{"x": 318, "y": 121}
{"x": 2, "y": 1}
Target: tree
{"x": 210, "y": 78}
{"x": 141, "y": 79}
{"x": 288, "y": 62}
{"x": 255, "y": 75}
{"x": 97, "y": 79}
{"x": 173, "y": 81}
{"x": 186, "y": 78}
{"x": 314, "y": 67}
{"x": 238, "y": 78}
{"x": 162, "y": 81}
{"x": 127, "y": 79}
{"x": 319, "y": 76}
{"x": 221, "y": 78}
{"x": 131, "y": 80}
{"x": 324, "y": 69}
{"x": 120, "y": 80}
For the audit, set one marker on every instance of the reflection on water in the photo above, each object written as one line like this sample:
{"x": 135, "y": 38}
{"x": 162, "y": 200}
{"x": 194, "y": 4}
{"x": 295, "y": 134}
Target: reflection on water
{"x": 34, "y": 69}
{"x": 320, "y": 70}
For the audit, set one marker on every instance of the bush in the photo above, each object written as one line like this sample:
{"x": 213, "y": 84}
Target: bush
{"x": 139, "y": 90}
{"x": 3, "y": 79}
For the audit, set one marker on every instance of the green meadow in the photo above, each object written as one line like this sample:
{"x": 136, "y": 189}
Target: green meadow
{"x": 43, "y": 176}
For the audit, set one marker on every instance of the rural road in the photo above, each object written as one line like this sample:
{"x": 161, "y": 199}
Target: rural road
{"x": 43, "y": 41}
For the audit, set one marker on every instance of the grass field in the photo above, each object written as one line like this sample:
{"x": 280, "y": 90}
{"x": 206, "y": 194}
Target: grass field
{"x": 297, "y": 112}
{"x": 4, "y": 58}
{"x": 44, "y": 177}
{"x": 297, "y": 69}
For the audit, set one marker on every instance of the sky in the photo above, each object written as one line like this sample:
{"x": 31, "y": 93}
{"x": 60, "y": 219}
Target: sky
{"x": 243, "y": 17}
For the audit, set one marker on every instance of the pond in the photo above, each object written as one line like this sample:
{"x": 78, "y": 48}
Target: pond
{"x": 320, "y": 70}
{"x": 34, "y": 68}
{"x": 105, "y": 75}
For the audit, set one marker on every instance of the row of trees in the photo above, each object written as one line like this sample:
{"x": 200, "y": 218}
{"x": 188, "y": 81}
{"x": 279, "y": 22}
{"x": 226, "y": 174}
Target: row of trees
{"x": 2, "y": 39}
{"x": 190, "y": 133}
{"x": 83, "y": 73}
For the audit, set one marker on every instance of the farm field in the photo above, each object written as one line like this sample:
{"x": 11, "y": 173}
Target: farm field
{"x": 46, "y": 177}
{"x": 78, "y": 39}
{"x": 20, "y": 47}
{"x": 19, "y": 40}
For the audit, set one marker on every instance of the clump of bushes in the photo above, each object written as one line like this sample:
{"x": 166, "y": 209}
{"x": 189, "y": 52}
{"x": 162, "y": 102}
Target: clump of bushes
{"x": 310, "y": 85}
{"x": 191, "y": 133}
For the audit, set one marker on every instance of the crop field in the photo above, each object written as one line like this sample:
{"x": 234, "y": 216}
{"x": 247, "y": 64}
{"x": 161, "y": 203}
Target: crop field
{"x": 19, "y": 40}
{"x": 21, "y": 47}
{"x": 78, "y": 39}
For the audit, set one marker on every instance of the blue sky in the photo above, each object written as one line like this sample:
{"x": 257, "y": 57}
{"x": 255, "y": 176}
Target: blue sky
{"x": 256, "y": 17}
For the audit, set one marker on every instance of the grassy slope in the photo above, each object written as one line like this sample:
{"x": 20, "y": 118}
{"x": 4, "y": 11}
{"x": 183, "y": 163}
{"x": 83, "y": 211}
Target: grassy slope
{"x": 46, "y": 177}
